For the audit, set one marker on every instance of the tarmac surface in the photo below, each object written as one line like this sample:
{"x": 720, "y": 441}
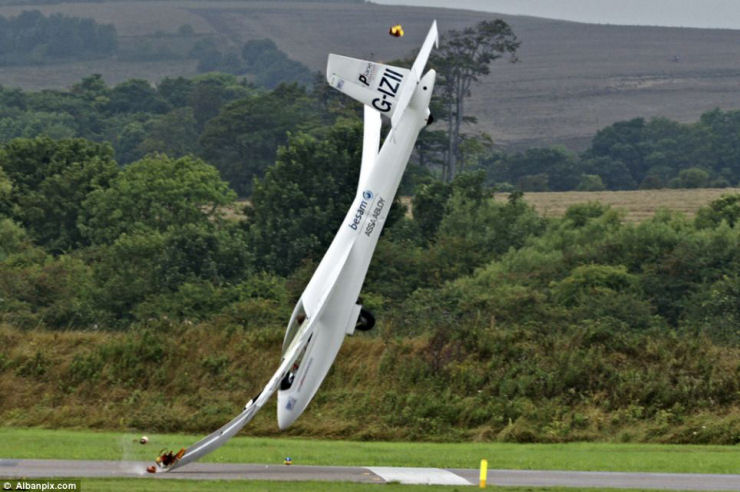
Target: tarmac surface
{"x": 10, "y": 469}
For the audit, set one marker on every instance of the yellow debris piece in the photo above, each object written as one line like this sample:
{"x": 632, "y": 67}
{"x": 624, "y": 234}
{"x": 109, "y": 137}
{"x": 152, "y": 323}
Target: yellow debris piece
{"x": 396, "y": 31}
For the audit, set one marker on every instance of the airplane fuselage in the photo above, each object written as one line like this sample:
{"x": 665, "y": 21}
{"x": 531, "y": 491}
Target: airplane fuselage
{"x": 336, "y": 285}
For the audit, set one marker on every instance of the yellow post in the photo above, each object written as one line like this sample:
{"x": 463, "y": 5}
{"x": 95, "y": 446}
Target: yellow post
{"x": 483, "y": 473}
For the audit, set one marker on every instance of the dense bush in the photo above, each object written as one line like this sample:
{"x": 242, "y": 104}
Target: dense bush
{"x": 468, "y": 381}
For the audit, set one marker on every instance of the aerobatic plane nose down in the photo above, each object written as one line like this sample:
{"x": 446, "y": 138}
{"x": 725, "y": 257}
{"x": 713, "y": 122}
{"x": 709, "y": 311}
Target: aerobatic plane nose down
{"x": 330, "y": 308}
{"x": 285, "y": 417}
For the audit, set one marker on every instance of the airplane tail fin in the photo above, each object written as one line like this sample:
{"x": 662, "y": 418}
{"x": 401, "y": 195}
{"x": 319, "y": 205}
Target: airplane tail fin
{"x": 373, "y": 84}
{"x": 385, "y": 88}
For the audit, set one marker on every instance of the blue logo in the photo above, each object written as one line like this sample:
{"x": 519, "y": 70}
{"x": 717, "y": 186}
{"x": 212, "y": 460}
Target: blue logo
{"x": 367, "y": 195}
{"x": 291, "y": 403}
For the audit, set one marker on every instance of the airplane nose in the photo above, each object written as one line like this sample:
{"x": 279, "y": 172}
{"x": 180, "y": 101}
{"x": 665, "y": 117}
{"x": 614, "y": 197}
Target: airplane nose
{"x": 286, "y": 416}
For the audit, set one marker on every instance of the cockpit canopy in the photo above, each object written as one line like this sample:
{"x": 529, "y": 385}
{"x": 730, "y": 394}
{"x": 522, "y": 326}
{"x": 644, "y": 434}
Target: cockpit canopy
{"x": 296, "y": 321}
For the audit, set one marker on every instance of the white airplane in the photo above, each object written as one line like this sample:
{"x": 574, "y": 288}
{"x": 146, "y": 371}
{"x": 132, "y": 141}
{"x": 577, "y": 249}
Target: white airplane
{"x": 328, "y": 309}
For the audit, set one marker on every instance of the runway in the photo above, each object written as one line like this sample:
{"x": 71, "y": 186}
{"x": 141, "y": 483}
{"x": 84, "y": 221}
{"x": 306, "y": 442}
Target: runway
{"x": 10, "y": 468}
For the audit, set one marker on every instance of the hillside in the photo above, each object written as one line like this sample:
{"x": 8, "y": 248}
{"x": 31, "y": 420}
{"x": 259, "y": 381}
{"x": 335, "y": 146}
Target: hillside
{"x": 572, "y": 79}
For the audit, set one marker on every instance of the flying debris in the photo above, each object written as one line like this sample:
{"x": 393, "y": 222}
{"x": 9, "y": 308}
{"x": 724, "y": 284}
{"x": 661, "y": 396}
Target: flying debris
{"x": 169, "y": 458}
{"x": 330, "y": 308}
{"x": 396, "y": 31}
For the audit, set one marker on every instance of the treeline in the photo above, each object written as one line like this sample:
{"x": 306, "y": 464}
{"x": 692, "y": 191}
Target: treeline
{"x": 237, "y": 126}
{"x": 628, "y": 155}
{"x": 86, "y": 243}
{"x": 233, "y": 124}
{"x": 261, "y": 61}
{"x": 493, "y": 322}
{"x": 32, "y": 38}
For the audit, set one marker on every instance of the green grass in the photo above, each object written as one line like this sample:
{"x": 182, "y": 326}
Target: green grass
{"x": 66, "y": 444}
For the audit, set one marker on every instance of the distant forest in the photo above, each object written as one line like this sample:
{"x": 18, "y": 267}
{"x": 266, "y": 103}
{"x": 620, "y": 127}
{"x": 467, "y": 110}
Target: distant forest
{"x": 31, "y": 38}
{"x": 237, "y": 126}
{"x": 633, "y": 154}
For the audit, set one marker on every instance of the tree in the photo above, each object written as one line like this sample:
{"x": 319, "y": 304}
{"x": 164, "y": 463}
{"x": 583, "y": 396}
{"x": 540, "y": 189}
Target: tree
{"x": 154, "y": 194}
{"x": 33, "y": 124}
{"x": 80, "y": 113}
{"x": 51, "y": 180}
{"x": 210, "y": 92}
{"x": 136, "y": 96}
{"x": 127, "y": 134}
{"x": 302, "y": 200}
{"x": 463, "y": 58}
{"x": 693, "y": 177}
{"x": 174, "y": 134}
{"x": 477, "y": 228}
{"x": 32, "y": 38}
{"x": 428, "y": 205}
{"x": 271, "y": 67}
{"x": 13, "y": 238}
{"x": 726, "y": 208}
{"x": 147, "y": 265}
{"x": 176, "y": 91}
{"x": 540, "y": 169}
{"x": 614, "y": 173}
{"x": 5, "y": 188}
{"x": 621, "y": 144}
{"x": 243, "y": 139}
{"x": 92, "y": 88}
{"x": 590, "y": 182}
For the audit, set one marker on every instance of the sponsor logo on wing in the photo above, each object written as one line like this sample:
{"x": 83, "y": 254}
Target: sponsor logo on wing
{"x": 367, "y": 195}
{"x": 368, "y": 75}
{"x": 379, "y": 205}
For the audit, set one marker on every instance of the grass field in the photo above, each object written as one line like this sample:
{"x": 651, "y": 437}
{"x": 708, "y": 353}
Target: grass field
{"x": 41, "y": 443}
{"x": 48, "y": 444}
{"x": 638, "y": 205}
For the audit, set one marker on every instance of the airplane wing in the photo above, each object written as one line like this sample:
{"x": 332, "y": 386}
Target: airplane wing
{"x": 370, "y": 143}
{"x": 218, "y": 438}
{"x": 417, "y": 68}
{"x": 432, "y": 40}
{"x": 326, "y": 274}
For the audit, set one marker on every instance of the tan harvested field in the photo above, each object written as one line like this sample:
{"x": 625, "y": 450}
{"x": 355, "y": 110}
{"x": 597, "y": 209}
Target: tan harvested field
{"x": 572, "y": 78}
{"x": 637, "y": 205}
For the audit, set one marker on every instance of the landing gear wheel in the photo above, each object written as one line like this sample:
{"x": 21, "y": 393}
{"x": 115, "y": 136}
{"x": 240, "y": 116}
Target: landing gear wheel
{"x": 365, "y": 321}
